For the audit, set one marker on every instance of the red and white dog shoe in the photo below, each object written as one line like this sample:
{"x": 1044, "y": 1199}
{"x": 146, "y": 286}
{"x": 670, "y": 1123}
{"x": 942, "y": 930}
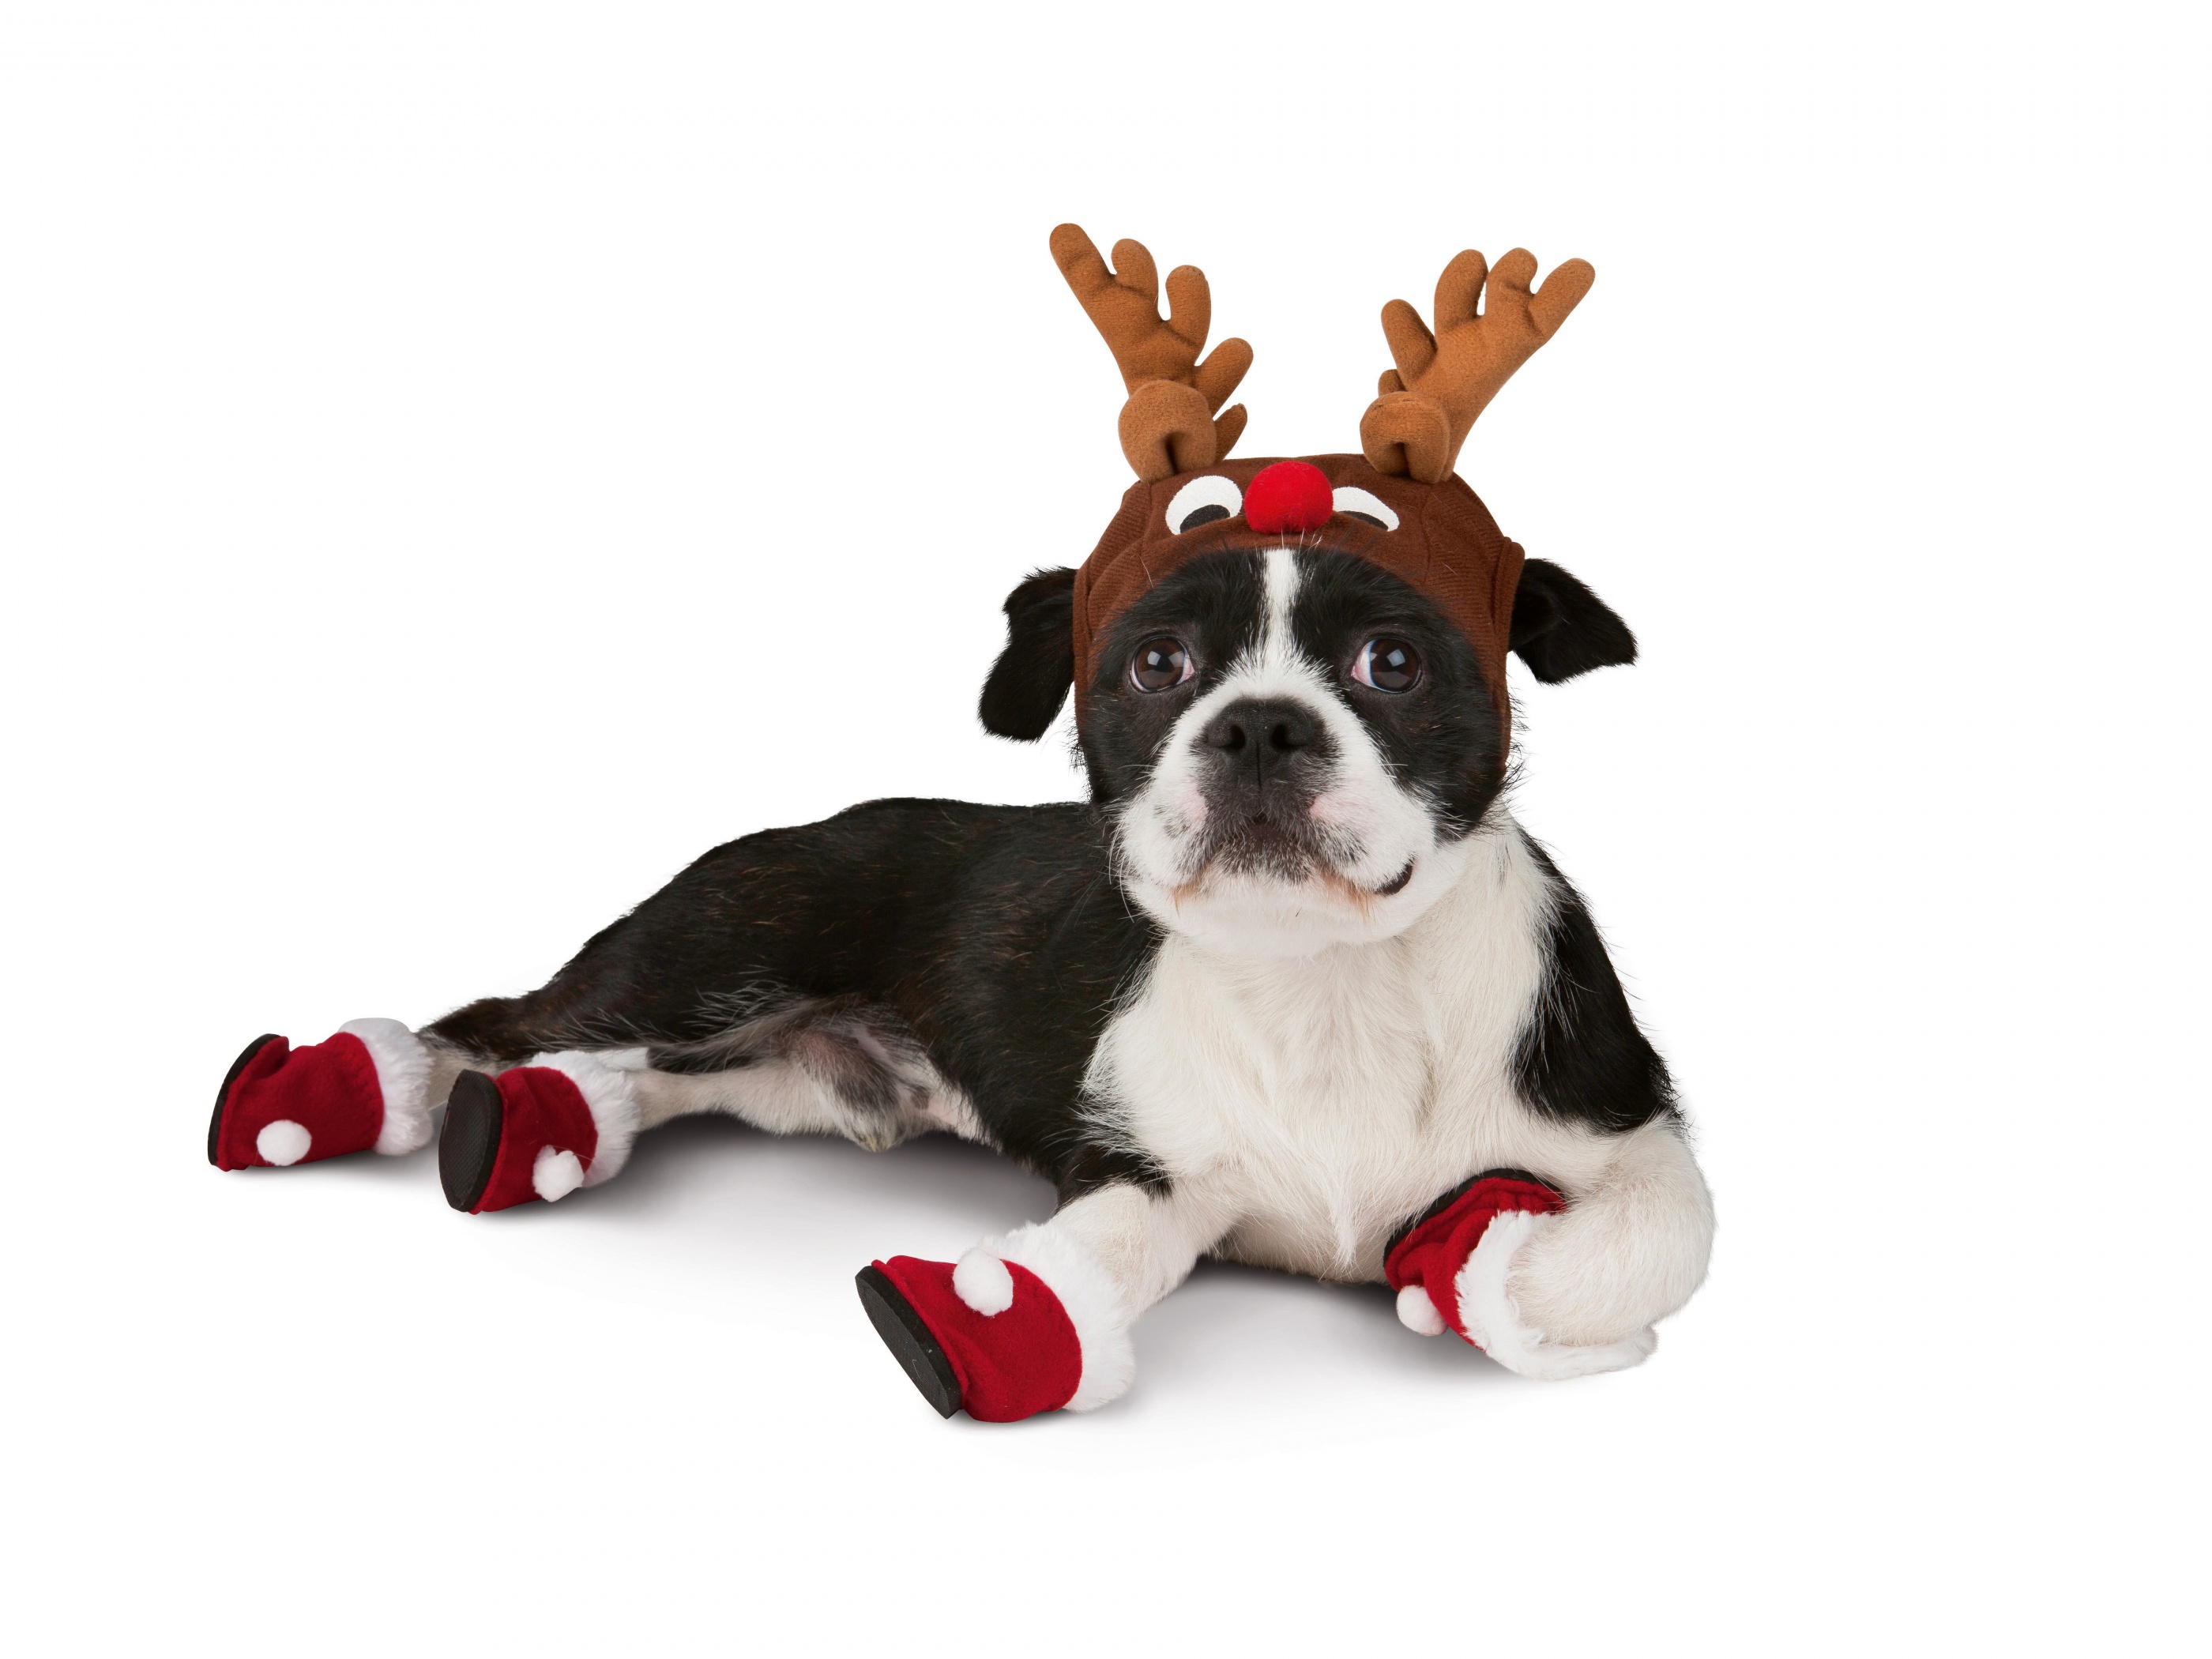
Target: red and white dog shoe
{"x": 1020, "y": 1325}
{"x": 538, "y": 1132}
{"x": 1450, "y": 1269}
{"x": 365, "y": 1087}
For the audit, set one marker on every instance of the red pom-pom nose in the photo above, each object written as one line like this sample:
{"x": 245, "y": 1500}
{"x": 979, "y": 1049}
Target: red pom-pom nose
{"x": 1290, "y": 495}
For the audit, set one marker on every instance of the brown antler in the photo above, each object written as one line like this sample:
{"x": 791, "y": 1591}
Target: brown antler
{"x": 1168, "y": 424}
{"x": 1444, "y": 380}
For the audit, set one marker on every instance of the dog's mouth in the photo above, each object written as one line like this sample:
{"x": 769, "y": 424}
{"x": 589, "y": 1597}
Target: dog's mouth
{"x": 1264, "y": 847}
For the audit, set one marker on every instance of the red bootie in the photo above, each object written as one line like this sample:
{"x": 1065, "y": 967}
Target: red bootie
{"x": 1450, "y": 1269}
{"x": 992, "y": 1336}
{"x": 1423, "y": 1262}
{"x": 538, "y": 1132}
{"x": 363, "y": 1088}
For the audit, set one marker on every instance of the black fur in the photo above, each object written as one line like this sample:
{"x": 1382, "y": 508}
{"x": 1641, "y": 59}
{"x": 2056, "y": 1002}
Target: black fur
{"x": 1030, "y": 680}
{"x": 1583, "y": 1059}
{"x": 991, "y": 936}
{"x": 1215, "y": 605}
{"x": 1446, "y": 728}
{"x": 1445, "y": 732}
{"x": 1560, "y": 629}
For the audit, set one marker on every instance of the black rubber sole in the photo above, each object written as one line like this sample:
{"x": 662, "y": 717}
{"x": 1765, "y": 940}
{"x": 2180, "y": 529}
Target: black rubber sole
{"x": 468, "y": 1145}
{"x": 222, "y": 1095}
{"x": 910, "y": 1341}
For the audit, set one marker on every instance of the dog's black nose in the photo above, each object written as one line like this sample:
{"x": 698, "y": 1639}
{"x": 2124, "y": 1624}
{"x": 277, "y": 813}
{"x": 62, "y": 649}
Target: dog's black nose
{"x": 1266, "y": 735}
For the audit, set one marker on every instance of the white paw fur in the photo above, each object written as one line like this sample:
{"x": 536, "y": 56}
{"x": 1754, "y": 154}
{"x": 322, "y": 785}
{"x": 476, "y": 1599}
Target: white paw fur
{"x": 1628, "y": 1251}
{"x": 1494, "y": 1323}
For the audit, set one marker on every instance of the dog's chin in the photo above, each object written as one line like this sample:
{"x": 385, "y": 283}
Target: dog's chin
{"x": 1260, "y": 891}
{"x": 1266, "y": 852}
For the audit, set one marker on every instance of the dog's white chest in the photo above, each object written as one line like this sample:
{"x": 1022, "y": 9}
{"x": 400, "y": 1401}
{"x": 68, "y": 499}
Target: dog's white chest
{"x": 1319, "y": 1101}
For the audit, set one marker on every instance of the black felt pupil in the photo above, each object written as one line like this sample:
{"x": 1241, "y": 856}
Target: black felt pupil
{"x": 1159, "y": 663}
{"x": 1367, "y": 518}
{"x": 1392, "y": 665}
{"x": 1203, "y": 515}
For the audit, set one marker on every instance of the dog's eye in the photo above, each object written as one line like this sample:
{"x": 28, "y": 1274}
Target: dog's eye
{"x": 1204, "y": 501}
{"x": 1388, "y": 665}
{"x": 1160, "y": 666}
{"x": 1357, "y": 503}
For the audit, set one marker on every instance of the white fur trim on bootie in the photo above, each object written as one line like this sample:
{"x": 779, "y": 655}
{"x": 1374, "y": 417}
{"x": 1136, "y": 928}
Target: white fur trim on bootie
{"x": 1093, "y": 1303}
{"x": 403, "y": 1074}
{"x": 283, "y": 1143}
{"x": 612, "y": 1095}
{"x": 1493, "y": 1323}
{"x": 981, "y": 1281}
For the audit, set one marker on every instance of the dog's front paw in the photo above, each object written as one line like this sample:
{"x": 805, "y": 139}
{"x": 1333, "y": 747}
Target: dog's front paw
{"x": 1492, "y": 1321}
{"x": 1453, "y": 1270}
{"x": 1019, "y": 1325}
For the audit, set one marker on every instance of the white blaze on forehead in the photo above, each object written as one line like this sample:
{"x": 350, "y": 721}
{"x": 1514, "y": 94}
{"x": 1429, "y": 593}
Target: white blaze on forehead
{"x": 1282, "y": 593}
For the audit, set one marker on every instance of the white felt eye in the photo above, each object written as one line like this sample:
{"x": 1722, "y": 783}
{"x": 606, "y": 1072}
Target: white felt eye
{"x": 1357, "y": 503}
{"x": 1204, "y": 501}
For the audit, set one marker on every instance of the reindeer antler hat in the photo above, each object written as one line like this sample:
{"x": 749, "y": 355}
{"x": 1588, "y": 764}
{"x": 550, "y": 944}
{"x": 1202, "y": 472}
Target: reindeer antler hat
{"x": 1398, "y": 503}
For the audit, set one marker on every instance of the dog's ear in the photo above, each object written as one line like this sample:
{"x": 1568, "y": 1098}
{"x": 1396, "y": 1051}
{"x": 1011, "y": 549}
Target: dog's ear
{"x": 1560, "y": 629}
{"x": 1033, "y": 674}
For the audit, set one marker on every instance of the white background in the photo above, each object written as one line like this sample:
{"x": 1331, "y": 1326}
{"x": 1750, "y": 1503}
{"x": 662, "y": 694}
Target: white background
{"x": 455, "y": 466}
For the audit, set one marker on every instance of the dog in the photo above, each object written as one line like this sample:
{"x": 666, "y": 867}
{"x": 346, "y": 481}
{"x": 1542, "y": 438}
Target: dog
{"x": 1290, "y": 988}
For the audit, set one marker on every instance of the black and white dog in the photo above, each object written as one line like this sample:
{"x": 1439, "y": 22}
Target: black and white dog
{"x": 1292, "y": 988}
{"x": 1290, "y": 978}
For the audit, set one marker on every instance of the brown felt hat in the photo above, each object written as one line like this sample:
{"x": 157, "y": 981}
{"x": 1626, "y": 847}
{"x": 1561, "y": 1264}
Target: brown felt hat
{"x": 1174, "y": 429}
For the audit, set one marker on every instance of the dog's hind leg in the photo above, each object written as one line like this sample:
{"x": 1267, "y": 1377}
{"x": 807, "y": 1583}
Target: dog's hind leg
{"x": 785, "y": 1064}
{"x": 766, "y": 948}
{"x": 542, "y": 1091}
{"x": 822, "y": 1065}
{"x": 1038, "y": 1319}
{"x": 560, "y": 1121}
{"x": 537, "y": 1131}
